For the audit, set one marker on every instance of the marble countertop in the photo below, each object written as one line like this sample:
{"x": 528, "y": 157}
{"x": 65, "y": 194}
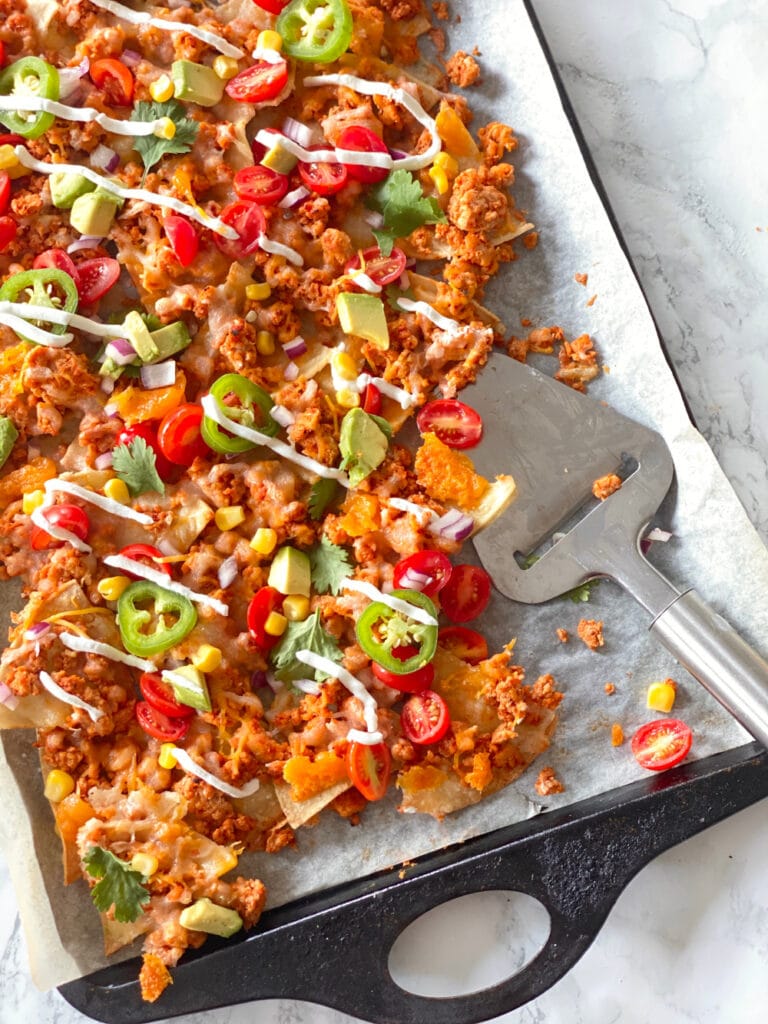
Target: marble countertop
{"x": 672, "y": 98}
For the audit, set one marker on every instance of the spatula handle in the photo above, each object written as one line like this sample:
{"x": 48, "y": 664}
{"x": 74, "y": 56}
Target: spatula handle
{"x": 709, "y": 648}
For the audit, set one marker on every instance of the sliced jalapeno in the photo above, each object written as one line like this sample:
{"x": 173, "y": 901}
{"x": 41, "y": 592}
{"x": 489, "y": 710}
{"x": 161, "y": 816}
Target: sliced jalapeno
{"x": 29, "y": 76}
{"x": 381, "y": 631}
{"x": 48, "y": 286}
{"x": 318, "y": 31}
{"x": 241, "y": 400}
{"x": 169, "y": 616}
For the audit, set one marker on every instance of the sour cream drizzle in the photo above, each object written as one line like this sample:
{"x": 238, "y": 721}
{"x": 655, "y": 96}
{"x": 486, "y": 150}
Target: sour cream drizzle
{"x": 424, "y": 308}
{"x": 404, "y": 398}
{"x": 142, "y": 194}
{"x": 366, "y": 283}
{"x": 27, "y": 102}
{"x": 38, "y": 518}
{"x": 107, "y": 504}
{"x": 278, "y": 249}
{"x": 191, "y": 766}
{"x": 425, "y": 514}
{"x": 85, "y": 645}
{"x": 69, "y": 698}
{"x": 146, "y": 572}
{"x": 411, "y": 611}
{"x": 143, "y": 18}
{"x": 355, "y": 687}
{"x": 53, "y": 315}
{"x": 33, "y": 332}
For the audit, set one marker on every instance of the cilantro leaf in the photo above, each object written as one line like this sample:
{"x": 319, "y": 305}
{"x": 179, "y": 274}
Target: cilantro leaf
{"x": 120, "y": 886}
{"x": 150, "y": 147}
{"x": 323, "y": 492}
{"x": 578, "y": 594}
{"x": 330, "y": 565}
{"x": 308, "y": 635}
{"x": 135, "y": 464}
{"x": 402, "y": 203}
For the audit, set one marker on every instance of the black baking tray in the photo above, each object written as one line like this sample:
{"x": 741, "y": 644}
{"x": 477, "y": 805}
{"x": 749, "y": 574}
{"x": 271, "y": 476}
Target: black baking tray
{"x": 333, "y": 948}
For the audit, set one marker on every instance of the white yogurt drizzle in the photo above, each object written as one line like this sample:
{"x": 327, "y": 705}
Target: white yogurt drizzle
{"x": 142, "y": 194}
{"x": 365, "y": 282}
{"x": 26, "y": 102}
{"x": 355, "y": 687}
{"x": 268, "y": 55}
{"x": 327, "y": 156}
{"x": 85, "y": 645}
{"x": 424, "y": 308}
{"x": 53, "y": 315}
{"x": 143, "y": 18}
{"x": 38, "y": 518}
{"x": 146, "y": 572}
{"x": 404, "y": 398}
{"x": 278, "y": 249}
{"x": 35, "y": 333}
{"x": 106, "y": 504}
{"x": 307, "y": 686}
{"x": 69, "y": 698}
{"x": 395, "y": 603}
{"x": 191, "y": 766}
{"x": 368, "y": 739}
{"x": 425, "y": 514}
{"x": 212, "y": 409}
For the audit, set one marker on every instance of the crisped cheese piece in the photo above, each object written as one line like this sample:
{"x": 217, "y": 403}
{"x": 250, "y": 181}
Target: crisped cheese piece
{"x": 449, "y": 476}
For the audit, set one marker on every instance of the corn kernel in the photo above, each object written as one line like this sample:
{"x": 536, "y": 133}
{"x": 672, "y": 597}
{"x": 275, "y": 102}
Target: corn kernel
{"x": 112, "y": 587}
{"x": 225, "y": 861}
{"x": 264, "y": 541}
{"x": 276, "y": 624}
{"x": 225, "y": 67}
{"x": 344, "y": 365}
{"x": 58, "y": 784}
{"x": 661, "y": 696}
{"x": 440, "y": 179}
{"x": 206, "y": 658}
{"x": 31, "y": 501}
{"x": 117, "y": 490}
{"x": 165, "y": 128}
{"x": 258, "y": 292}
{"x": 447, "y": 163}
{"x": 166, "y": 757}
{"x": 145, "y": 864}
{"x": 8, "y": 157}
{"x": 269, "y": 40}
{"x": 265, "y": 343}
{"x": 347, "y": 399}
{"x": 161, "y": 89}
{"x": 296, "y": 607}
{"x": 230, "y": 517}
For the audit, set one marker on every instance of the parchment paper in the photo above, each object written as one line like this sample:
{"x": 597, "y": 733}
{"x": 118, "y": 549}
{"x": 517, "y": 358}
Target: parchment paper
{"x": 713, "y": 541}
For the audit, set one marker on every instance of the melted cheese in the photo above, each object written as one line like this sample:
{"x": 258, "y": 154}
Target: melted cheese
{"x": 144, "y": 18}
{"x": 411, "y": 611}
{"x": 106, "y": 504}
{"x": 69, "y": 698}
{"x": 355, "y": 687}
{"x": 146, "y": 572}
{"x": 85, "y": 645}
{"x": 27, "y": 102}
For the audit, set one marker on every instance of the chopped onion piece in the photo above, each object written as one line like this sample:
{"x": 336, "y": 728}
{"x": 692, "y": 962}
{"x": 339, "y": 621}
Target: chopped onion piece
{"x": 107, "y": 385}
{"x": 291, "y": 372}
{"x": 120, "y": 351}
{"x": 103, "y": 461}
{"x": 105, "y": 159}
{"x": 85, "y": 645}
{"x": 7, "y": 698}
{"x": 273, "y": 682}
{"x": 307, "y": 686}
{"x": 454, "y": 525}
{"x": 167, "y": 547}
{"x": 85, "y": 242}
{"x": 130, "y": 565}
{"x": 414, "y": 580}
{"x": 228, "y": 572}
{"x": 295, "y": 348}
{"x": 282, "y": 415}
{"x": 374, "y": 218}
{"x": 69, "y": 79}
{"x": 293, "y": 198}
{"x": 301, "y": 133}
{"x": 37, "y": 631}
{"x": 159, "y": 375}
{"x": 191, "y": 766}
{"x": 55, "y": 690}
{"x": 662, "y": 536}
{"x": 131, "y": 58}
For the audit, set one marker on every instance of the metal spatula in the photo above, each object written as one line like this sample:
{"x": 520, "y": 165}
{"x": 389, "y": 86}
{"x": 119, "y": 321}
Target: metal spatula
{"x": 556, "y": 442}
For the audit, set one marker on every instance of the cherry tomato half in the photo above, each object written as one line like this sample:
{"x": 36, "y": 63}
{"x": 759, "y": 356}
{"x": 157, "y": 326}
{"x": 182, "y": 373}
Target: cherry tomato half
{"x": 372, "y": 400}
{"x": 455, "y": 423}
{"x": 412, "y": 682}
{"x": 159, "y": 695}
{"x": 95, "y": 277}
{"x": 661, "y": 744}
{"x": 147, "y": 554}
{"x": 8, "y": 231}
{"x": 272, "y": 6}
{"x": 463, "y": 643}
{"x": 11, "y": 139}
{"x": 3, "y": 55}
{"x": 260, "y": 82}
{"x": 59, "y": 260}
{"x": 156, "y": 724}
{"x": 114, "y": 79}
{"x": 264, "y": 602}
{"x": 179, "y": 435}
{"x": 66, "y": 517}
{"x": 425, "y": 718}
{"x": 363, "y": 140}
{"x": 431, "y": 564}
{"x": 183, "y": 237}
{"x": 322, "y": 178}
{"x": 259, "y": 184}
{"x": 249, "y": 222}
{"x": 369, "y": 768}
{"x": 382, "y": 270}
{"x": 5, "y": 191}
{"x": 466, "y": 594}
{"x": 165, "y": 469}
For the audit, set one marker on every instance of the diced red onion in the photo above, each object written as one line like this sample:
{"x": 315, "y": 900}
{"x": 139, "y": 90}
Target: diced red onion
{"x": 167, "y": 547}
{"x": 273, "y": 682}
{"x": 398, "y": 154}
{"x": 454, "y": 525}
{"x": 108, "y": 386}
{"x": 159, "y": 375}
{"x": 110, "y": 408}
{"x": 7, "y": 698}
{"x": 291, "y": 372}
{"x": 105, "y": 159}
{"x": 291, "y": 199}
{"x": 69, "y": 80}
{"x": 282, "y": 415}
{"x": 374, "y": 218}
{"x": 295, "y": 348}
{"x": 298, "y": 132}
{"x": 258, "y": 679}
{"x": 38, "y": 630}
{"x": 131, "y": 58}
{"x": 85, "y": 242}
{"x": 414, "y": 580}
{"x": 410, "y": 263}
{"x": 121, "y": 350}
{"x": 228, "y": 572}
{"x": 405, "y": 281}
{"x": 103, "y": 461}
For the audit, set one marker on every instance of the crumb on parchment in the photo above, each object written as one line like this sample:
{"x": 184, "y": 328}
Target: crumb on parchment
{"x": 617, "y": 735}
{"x": 591, "y": 301}
{"x": 462, "y": 69}
{"x": 581, "y": 279}
{"x": 605, "y": 486}
{"x": 440, "y": 9}
{"x": 563, "y": 635}
{"x": 610, "y": 688}
{"x": 548, "y": 783}
{"x": 591, "y": 632}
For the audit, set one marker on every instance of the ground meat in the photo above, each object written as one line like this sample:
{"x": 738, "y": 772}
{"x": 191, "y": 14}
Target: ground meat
{"x": 578, "y": 362}
{"x": 58, "y": 378}
{"x": 440, "y": 9}
{"x": 462, "y": 69}
{"x": 563, "y": 636}
{"x": 591, "y": 632}
{"x": 496, "y": 139}
{"x": 605, "y": 486}
{"x": 477, "y": 203}
{"x": 248, "y": 898}
{"x": 401, "y": 10}
{"x": 548, "y": 783}
{"x": 213, "y": 814}
{"x": 313, "y": 216}
{"x": 543, "y": 692}
{"x": 581, "y": 279}
{"x": 314, "y": 433}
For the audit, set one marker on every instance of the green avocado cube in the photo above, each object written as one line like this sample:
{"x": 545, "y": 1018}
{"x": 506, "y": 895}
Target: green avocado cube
{"x": 66, "y": 188}
{"x": 196, "y": 83}
{"x": 364, "y": 317}
{"x": 290, "y": 572}
{"x": 205, "y": 916}
{"x": 8, "y": 435}
{"x": 189, "y": 687}
{"x": 138, "y": 334}
{"x": 93, "y": 213}
{"x": 170, "y": 339}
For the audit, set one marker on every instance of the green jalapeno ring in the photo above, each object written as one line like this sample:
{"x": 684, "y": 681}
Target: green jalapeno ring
{"x": 253, "y": 411}
{"x": 131, "y": 619}
{"x": 318, "y": 31}
{"x": 425, "y": 637}
{"x": 34, "y": 287}
{"x": 30, "y": 76}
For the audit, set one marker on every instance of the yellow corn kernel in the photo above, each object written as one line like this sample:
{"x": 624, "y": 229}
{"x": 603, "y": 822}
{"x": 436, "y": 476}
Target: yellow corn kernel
{"x": 8, "y": 158}
{"x": 440, "y": 179}
{"x": 166, "y": 758}
{"x": 265, "y": 343}
{"x": 344, "y": 365}
{"x": 31, "y": 501}
{"x": 447, "y": 163}
{"x": 225, "y": 67}
{"x": 661, "y": 696}
{"x": 269, "y": 40}
{"x": 258, "y": 292}
{"x": 225, "y": 861}
{"x": 206, "y": 658}
{"x": 58, "y": 784}
{"x": 264, "y": 541}
{"x": 112, "y": 587}
{"x": 296, "y": 607}
{"x": 161, "y": 89}
{"x": 145, "y": 864}
{"x": 117, "y": 490}
{"x": 347, "y": 399}
{"x": 229, "y": 517}
{"x": 276, "y": 624}
{"x": 165, "y": 128}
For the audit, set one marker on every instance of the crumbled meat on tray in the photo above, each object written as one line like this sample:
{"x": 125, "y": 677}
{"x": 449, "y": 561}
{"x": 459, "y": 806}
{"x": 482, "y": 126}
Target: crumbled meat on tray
{"x": 605, "y": 486}
{"x": 591, "y": 632}
{"x": 547, "y": 783}
{"x": 562, "y": 635}
{"x": 462, "y": 69}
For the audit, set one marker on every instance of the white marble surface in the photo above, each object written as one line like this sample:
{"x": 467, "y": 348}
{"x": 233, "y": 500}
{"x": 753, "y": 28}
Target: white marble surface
{"x": 672, "y": 96}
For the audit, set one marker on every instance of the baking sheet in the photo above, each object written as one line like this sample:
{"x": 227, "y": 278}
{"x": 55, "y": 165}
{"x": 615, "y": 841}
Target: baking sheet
{"x": 713, "y": 537}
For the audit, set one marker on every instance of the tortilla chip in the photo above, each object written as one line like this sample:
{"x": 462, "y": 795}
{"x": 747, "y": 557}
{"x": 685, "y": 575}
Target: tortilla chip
{"x": 426, "y": 289}
{"x": 299, "y": 813}
{"x": 118, "y": 934}
{"x": 496, "y": 500}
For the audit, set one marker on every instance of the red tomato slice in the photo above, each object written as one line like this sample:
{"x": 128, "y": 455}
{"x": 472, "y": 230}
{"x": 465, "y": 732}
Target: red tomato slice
{"x": 382, "y": 270}
{"x": 433, "y": 564}
{"x": 372, "y": 400}
{"x": 464, "y": 643}
{"x": 467, "y": 593}
{"x": 266, "y": 601}
{"x": 159, "y": 695}
{"x": 260, "y": 82}
{"x": 249, "y": 222}
{"x": 147, "y": 554}
{"x": 369, "y": 768}
{"x": 11, "y": 139}
{"x": 59, "y": 260}
{"x": 455, "y": 423}
{"x": 165, "y": 469}
{"x": 156, "y": 724}
{"x": 95, "y": 277}
{"x": 8, "y": 231}
{"x": 179, "y": 435}
{"x": 425, "y": 718}
{"x": 363, "y": 140}
{"x": 114, "y": 79}
{"x": 322, "y": 178}
{"x": 661, "y": 744}
{"x": 413, "y": 682}
{"x": 260, "y": 185}
{"x": 3, "y": 55}
{"x": 5, "y": 191}
{"x": 66, "y": 517}
{"x": 183, "y": 237}
{"x": 273, "y": 6}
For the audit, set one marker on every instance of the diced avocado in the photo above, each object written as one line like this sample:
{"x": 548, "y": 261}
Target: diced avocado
{"x": 279, "y": 159}
{"x": 171, "y": 339}
{"x": 136, "y": 332}
{"x": 290, "y": 572}
{"x": 205, "y": 916}
{"x": 111, "y": 369}
{"x": 196, "y": 83}
{"x": 93, "y": 213}
{"x": 189, "y": 687}
{"x": 363, "y": 444}
{"x": 363, "y": 316}
{"x": 8, "y": 435}
{"x": 66, "y": 188}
